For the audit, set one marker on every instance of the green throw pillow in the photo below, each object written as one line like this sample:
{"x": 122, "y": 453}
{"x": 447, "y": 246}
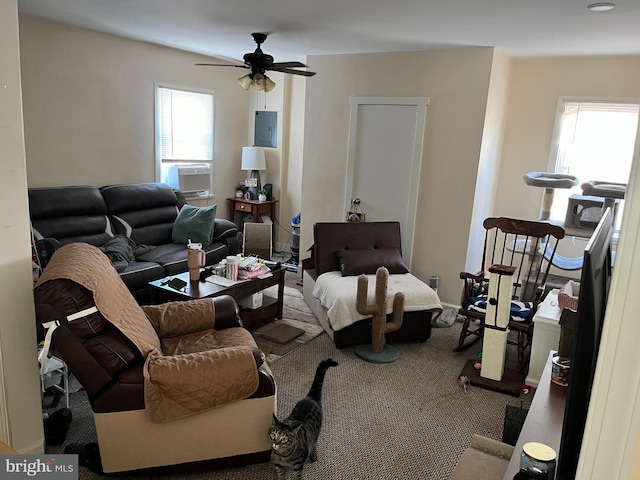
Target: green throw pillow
{"x": 195, "y": 224}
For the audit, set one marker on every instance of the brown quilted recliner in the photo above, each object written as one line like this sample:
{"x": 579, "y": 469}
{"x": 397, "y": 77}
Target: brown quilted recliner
{"x": 162, "y": 380}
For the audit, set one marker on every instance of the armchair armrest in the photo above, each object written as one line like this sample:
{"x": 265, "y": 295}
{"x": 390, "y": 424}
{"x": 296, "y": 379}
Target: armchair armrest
{"x": 224, "y": 228}
{"x": 537, "y": 299}
{"x": 226, "y": 231}
{"x": 258, "y": 356}
{"x": 45, "y": 248}
{"x": 178, "y": 386}
{"x": 227, "y": 315}
{"x": 474, "y": 284}
{"x": 478, "y": 277}
{"x": 175, "y": 319}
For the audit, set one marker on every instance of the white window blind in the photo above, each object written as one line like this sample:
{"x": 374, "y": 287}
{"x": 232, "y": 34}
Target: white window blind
{"x": 186, "y": 125}
{"x": 594, "y": 140}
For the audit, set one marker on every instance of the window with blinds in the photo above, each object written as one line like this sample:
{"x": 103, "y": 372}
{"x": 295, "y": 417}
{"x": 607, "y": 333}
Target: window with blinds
{"x": 184, "y": 122}
{"x": 593, "y": 140}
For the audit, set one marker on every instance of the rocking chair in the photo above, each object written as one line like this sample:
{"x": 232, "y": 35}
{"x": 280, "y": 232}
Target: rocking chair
{"x": 529, "y": 246}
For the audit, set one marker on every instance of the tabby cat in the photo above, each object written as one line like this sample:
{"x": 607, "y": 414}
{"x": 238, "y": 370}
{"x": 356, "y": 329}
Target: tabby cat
{"x": 293, "y": 440}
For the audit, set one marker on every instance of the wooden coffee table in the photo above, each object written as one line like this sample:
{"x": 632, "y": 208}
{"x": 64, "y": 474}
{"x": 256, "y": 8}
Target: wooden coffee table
{"x": 251, "y": 318}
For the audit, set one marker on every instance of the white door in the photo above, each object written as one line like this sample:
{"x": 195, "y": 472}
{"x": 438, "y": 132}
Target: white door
{"x": 385, "y": 149}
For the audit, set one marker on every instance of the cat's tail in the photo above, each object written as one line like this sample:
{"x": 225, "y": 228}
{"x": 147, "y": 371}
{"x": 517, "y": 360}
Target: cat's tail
{"x": 315, "y": 391}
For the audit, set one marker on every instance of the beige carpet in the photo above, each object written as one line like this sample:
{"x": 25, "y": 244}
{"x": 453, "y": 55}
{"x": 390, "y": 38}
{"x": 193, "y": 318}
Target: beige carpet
{"x": 296, "y": 313}
{"x": 404, "y": 420}
{"x": 294, "y": 305}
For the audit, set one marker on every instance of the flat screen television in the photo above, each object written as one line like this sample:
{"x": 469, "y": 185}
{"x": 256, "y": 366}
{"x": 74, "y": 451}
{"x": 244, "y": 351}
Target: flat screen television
{"x": 587, "y": 331}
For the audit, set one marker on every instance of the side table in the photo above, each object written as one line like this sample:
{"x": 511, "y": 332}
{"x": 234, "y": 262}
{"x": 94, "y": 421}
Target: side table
{"x": 546, "y": 336}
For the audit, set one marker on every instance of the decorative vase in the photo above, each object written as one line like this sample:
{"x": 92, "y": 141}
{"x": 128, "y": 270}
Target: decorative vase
{"x": 239, "y": 194}
{"x": 262, "y": 198}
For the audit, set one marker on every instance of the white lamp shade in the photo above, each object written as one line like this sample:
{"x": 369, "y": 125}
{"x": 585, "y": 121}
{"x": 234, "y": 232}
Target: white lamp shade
{"x": 253, "y": 158}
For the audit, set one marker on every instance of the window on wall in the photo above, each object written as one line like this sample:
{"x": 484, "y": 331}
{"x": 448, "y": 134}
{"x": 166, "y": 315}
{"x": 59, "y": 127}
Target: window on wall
{"x": 184, "y": 130}
{"x": 594, "y": 140}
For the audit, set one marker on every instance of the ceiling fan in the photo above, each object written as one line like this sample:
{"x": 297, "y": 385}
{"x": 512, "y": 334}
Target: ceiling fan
{"x": 259, "y": 63}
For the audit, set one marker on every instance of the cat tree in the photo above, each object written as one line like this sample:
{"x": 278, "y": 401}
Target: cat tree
{"x": 379, "y": 351}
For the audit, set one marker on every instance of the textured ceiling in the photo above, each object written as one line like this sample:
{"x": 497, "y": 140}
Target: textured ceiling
{"x": 297, "y": 28}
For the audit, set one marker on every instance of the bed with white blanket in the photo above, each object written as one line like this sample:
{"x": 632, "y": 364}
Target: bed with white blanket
{"x": 340, "y": 253}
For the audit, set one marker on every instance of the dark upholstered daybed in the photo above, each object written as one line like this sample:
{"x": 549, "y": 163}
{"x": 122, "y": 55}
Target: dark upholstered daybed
{"x": 343, "y": 250}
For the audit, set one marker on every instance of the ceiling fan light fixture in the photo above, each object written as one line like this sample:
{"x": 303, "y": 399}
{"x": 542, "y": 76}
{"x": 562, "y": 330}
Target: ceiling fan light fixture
{"x": 601, "y": 6}
{"x": 269, "y": 84}
{"x": 259, "y": 63}
{"x": 258, "y": 82}
{"x": 246, "y": 81}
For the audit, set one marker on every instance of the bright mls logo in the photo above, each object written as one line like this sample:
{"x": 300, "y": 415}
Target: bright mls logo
{"x": 52, "y": 467}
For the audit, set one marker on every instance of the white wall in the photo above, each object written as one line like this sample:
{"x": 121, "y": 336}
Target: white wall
{"x": 20, "y": 405}
{"x": 457, "y": 83}
{"x": 490, "y": 158}
{"x": 291, "y": 193}
{"x": 284, "y": 162}
{"x": 89, "y": 107}
{"x": 611, "y": 445}
{"x": 535, "y": 88}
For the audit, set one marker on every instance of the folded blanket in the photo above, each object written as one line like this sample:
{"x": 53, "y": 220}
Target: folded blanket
{"x": 121, "y": 250}
{"x": 338, "y": 295}
{"x": 520, "y": 311}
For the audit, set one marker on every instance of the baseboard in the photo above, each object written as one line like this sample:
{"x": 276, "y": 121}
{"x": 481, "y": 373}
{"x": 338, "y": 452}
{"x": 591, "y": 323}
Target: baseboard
{"x": 36, "y": 448}
{"x": 451, "y": 305}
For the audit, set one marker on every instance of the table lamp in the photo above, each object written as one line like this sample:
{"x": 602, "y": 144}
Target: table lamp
{"x": 253, "y": 159}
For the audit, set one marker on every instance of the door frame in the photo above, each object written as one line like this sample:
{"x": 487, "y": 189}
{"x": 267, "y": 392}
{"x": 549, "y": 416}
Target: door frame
{"x": 421, "y": 104}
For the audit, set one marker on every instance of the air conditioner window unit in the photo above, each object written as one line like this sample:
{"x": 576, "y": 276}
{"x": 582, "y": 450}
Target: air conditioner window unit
{"x": 192, "y": 180}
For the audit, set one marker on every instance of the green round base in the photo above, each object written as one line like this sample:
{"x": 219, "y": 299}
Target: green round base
{"x": 388, "y": 355}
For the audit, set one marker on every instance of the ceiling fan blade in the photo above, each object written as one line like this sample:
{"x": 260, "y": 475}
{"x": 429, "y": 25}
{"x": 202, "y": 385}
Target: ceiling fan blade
{"x": 292, "y": 71}
{"x": 288, "y": 65}
{"x": 221, "y": 65}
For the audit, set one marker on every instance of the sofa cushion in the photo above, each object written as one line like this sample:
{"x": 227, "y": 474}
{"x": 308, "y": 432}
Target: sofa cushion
{"x": 138, "y": 196}
{"x": 356, "y": 262}
{"x": 330, "y": 237}
{"x": 139, "y": 273}
{"x": 172, "y": 257}
{"x": 144, "y": 212}
{"x": 195, "y": 224}
{"x": 69, "y": 214}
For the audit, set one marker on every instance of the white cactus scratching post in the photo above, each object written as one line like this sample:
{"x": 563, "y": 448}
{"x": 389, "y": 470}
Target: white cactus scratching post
{"x": 379, "y": 351}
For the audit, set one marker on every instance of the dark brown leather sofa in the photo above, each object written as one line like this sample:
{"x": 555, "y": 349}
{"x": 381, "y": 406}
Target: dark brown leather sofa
{"x": 143, "y": 212}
